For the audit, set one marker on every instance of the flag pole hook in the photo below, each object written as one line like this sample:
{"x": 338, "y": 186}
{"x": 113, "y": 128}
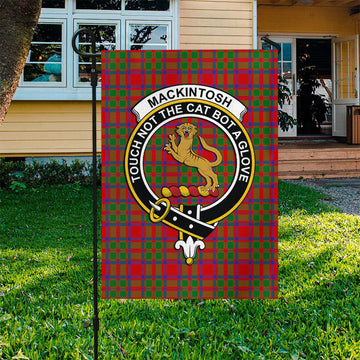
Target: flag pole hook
{"x": 93, "y": 55}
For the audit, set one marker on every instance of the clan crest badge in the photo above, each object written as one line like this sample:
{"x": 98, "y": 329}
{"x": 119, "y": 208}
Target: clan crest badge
{"x": 190, "y": 137}
{"x": 189, "y": 168}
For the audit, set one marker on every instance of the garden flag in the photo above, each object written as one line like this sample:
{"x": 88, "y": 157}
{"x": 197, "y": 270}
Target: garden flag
{"x": 189, "y": 174}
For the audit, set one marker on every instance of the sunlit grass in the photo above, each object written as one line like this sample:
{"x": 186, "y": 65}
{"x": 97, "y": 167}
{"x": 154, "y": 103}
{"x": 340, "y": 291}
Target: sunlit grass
{"x": 46, "y": 290}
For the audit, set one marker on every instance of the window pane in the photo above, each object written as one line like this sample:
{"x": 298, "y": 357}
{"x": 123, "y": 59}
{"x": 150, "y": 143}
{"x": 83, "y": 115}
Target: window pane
{"x": 99, "y": 47}
{"x": 148, "y": 47}
{"x": 105, "y": 36}
{"x": 103, "y": 33}
{"x": 85, "y": 72}
{"x": 47, "y": 33}
{"x": 159, "y": 5}
{"x": 53, "y": 4}
{"x": 99, "y": 4}
{"x": 287, "y": 70}
{"x": 286, "y": 51}
{"x": 148, "y": 37}
{"x": 50, "y": 71}
{"x": 44, "y": 63}
{"x": 43, "y": 52}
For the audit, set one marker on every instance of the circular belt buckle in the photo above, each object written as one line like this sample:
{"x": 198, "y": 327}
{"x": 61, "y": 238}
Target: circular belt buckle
{"x": 163, "y": 216}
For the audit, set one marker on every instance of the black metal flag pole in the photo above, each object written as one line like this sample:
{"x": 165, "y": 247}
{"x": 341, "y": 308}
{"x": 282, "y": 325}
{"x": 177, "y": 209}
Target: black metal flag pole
{"x": 93, "y": 55}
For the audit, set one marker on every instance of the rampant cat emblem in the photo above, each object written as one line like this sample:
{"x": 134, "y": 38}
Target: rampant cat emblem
{"x": 184, "y": 154}
{"x": 195, "y": 219}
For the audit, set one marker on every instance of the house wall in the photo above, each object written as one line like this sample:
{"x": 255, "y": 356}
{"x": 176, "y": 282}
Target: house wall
{"x": 48, "y": 128}
{"x": 301, "y": 19}
{"x": 216, "y": 24}
{"x": 64, "y": 127}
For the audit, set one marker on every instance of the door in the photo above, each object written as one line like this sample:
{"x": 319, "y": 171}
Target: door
{"x": 345, "y": 80}
{"x": 287, "y": 69}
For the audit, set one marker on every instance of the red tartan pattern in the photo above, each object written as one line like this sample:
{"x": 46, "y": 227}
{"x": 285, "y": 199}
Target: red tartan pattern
{"x": 138, "y": 257}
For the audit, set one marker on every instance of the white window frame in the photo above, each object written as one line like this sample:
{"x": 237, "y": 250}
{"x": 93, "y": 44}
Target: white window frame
{"x": 52, "y": 84}
{"x": 77, "y": 23}
{"x": 129, "y": 23}
{"x": 71, "y": 88}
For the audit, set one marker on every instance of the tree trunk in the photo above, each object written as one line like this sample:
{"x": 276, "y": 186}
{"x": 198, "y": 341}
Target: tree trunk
{"x": 18, "y": 19}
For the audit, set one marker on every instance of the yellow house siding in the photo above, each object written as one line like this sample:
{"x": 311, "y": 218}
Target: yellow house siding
{"x": 216, "y": 24}
{"x": 48, "y": 128}
{"x": 306, "y": 20}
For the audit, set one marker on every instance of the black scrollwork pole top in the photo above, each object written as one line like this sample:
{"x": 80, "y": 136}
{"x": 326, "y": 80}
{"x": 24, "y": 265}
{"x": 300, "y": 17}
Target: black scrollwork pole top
{"x": 92, "y": 39}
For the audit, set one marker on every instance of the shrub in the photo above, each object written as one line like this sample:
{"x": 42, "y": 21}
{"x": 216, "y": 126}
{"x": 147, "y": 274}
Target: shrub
{"x": 10, "y": 171}
{"x": 15, "y": 173}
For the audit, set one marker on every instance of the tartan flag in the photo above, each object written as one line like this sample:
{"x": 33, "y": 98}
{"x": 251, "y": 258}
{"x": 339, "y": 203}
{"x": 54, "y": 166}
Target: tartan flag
{"x": 189, "y": 174}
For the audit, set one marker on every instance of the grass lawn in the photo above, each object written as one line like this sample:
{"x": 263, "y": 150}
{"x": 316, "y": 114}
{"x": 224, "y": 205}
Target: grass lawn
{"x": 46, "y": 290}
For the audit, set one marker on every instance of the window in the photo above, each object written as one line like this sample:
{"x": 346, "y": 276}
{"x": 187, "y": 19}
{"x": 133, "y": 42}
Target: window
{"x": 54, "y": 72}
{"x": 285, "y": 58}
{"x": 148, "y": 37}
{"x": 45, "y": 60}
{"x": 106, "y": 36}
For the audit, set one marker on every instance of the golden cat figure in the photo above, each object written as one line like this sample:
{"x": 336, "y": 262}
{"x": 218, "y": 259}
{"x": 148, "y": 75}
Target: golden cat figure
{"x": 184, "y": 154}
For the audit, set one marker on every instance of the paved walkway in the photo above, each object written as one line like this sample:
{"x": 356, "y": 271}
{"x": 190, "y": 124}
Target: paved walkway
{"x": 344, "y": 192}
